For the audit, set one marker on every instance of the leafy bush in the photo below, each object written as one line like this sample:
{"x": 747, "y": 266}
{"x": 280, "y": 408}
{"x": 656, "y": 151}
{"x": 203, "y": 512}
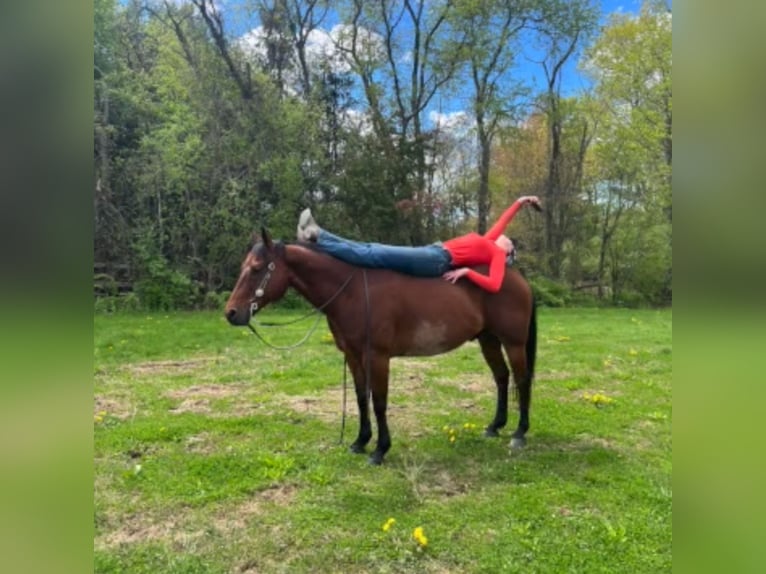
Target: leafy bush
{"x": 161, "y": 287}
{"x": 213, "y": 301}
{"x": 549, "y": 293}
{"x": 105, "y": 284}
{"x": 117, "y": 303}
{"x": 293, "y": 300}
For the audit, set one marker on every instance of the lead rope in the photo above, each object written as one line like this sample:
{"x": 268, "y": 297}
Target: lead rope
{"x": 367, "y": 342}
{"x": 311, "y": 330}
{"x": 343, "y": 409}
{"x": 367, "y": 361}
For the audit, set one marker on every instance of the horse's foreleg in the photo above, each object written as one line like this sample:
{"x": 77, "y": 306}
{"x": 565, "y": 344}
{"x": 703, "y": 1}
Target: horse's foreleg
{"x": 362, "y": 401}
{"x": 379, "y": 386}
{"x": 493, "y": 355}
{"x": 522, "y": 380}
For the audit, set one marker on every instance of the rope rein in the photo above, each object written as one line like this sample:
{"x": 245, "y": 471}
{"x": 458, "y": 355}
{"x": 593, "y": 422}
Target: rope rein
{"x": 311, "y": 330}
{"x": 367, "y": 361}
{"x": 254, "y": 306}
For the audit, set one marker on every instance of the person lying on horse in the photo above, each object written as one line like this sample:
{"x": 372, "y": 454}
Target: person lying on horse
{"x": 451, "y": 259}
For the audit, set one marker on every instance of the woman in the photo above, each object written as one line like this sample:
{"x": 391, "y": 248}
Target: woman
{"x": 450, "y": 259}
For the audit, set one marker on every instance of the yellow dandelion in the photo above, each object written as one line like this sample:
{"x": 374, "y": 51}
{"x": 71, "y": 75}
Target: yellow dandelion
{"x": 446, "y": 428}
{"x": 388, "y": 524}
{"x": 418, "y": 535}
{"x": 452, "y": 438}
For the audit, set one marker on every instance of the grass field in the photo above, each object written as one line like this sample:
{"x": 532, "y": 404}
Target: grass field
{"x": 214, "y": 453}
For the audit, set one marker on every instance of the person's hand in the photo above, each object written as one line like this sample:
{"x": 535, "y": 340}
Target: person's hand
{"x": 454, "y": 274}
{"x": 532, "y": 200}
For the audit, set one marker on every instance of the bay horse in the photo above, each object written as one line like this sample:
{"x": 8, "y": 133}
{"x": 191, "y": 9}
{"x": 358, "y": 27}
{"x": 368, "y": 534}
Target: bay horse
{"x": 376, "y": 314}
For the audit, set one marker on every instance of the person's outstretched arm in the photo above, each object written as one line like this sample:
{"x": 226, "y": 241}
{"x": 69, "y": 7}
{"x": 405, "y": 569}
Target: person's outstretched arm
{"x": 503, "y": 221}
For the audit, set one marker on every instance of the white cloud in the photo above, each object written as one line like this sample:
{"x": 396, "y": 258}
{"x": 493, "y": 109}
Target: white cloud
{"x": 459, "y": 121}
{"x": 369, "y": 44}
{"x": 322, "y": 47}
{"x": 253, "y": 43}
{"x": 358, "y": 121}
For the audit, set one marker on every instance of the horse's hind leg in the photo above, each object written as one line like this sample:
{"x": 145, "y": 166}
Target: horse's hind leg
{"x": 493, "y": 355}
{"x": 362, "y": 401}
{"x": 522, "y": 379}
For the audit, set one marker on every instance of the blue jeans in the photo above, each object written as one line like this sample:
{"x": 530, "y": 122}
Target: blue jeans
{"x": 427, "y": 261}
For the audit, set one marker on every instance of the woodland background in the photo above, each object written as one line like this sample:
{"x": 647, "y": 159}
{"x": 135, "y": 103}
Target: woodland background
{"x": 395, "y": 121}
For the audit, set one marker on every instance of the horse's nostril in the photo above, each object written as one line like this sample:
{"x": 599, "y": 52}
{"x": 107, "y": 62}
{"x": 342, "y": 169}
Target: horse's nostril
{"x": 230, "y": 314}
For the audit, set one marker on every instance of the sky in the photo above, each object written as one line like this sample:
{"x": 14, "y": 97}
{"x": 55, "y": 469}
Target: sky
{"x": 238, "y": 22}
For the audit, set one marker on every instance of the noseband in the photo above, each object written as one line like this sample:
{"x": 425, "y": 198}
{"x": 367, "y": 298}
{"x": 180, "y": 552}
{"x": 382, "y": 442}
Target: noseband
{"x": 261, "y": 287}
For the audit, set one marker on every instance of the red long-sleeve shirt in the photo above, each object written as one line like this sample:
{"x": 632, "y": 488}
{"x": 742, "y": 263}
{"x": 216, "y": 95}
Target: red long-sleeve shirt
{"x": 474, "y": 249}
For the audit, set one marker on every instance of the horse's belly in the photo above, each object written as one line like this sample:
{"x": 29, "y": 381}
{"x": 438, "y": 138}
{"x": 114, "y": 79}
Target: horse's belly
{"x": 431, "y": 338}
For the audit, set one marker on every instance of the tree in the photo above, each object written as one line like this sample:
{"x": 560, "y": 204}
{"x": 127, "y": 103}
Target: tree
{"x": 631, "y": 65}
{"x": 564, "y": 30}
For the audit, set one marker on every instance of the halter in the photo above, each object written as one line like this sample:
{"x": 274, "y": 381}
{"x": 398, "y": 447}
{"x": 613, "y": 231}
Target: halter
{"x": 259, "y": 292}
{"x": 261, "y": 287}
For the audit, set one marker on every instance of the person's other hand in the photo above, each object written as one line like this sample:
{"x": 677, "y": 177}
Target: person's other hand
{"x": 454, "y": 274}
{"x": 532, "y": 200}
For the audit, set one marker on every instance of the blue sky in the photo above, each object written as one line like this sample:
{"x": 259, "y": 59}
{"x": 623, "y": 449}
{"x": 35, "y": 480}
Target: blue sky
{"x": 239, "y": 20}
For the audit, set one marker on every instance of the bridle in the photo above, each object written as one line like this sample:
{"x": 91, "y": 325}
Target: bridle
{"x": 259, "y": 291}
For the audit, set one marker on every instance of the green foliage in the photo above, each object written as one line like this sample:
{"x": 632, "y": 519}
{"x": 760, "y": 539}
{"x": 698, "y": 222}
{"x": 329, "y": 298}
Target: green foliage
{"x": 197, "y": 143}
{"x": 549, "y": 293}
{"x": 213, "y": 301}
{"x": 117, "y": 303}
{"x": 159, "y": 286}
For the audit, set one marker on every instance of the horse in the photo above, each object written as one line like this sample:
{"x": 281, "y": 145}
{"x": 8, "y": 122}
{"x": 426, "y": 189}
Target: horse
{"x": 377, "y": 314}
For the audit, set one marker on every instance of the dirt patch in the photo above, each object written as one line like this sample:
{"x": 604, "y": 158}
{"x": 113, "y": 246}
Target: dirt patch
{"x": 197, "y": 399}
{"x": 112, "y": 406}
{"x": 183, "y": 529}
{"x": 164, "y": 367}
{"x": 443, "y": 484}
{"x": 326, "y": 406}
{"x": 137, "y": 528}
{"x": 556, "y": 376}
{"x": 238, "y": 517}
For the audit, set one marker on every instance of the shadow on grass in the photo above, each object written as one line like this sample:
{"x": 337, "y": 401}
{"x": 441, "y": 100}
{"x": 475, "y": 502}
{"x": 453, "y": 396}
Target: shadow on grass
{"x": 579, "y": 458}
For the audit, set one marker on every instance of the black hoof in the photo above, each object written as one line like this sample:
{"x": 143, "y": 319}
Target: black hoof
{"x": 356, "y": 448}
{"x": 491, "y": 433}
{"x": 376, "y": 459}
{"x": 518, "y": 442}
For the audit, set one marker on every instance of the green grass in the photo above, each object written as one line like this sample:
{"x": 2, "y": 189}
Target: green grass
{"x": 214, "y": 453}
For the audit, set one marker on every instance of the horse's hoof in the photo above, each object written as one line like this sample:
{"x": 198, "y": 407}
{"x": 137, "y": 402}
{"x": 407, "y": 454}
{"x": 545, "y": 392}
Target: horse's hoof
{"x": 491, "y": 433}
{"x": 376, "y": 459}
{"x": 356, "y": 448}
{"x": 518, "y": 442}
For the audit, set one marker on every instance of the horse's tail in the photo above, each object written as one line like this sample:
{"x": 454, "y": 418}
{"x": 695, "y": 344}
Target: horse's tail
{"x": 532, "y": 341}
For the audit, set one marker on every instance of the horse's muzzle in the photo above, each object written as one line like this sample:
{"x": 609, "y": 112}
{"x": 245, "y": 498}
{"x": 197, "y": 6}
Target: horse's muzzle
{"x": 238, "y": 318}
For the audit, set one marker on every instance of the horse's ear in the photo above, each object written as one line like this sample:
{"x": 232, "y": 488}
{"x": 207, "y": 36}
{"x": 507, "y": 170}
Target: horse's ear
{"x": 266, "y": 237}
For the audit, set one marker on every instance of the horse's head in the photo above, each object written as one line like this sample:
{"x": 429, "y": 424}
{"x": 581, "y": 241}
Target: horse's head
{"x": 263, "y": 279}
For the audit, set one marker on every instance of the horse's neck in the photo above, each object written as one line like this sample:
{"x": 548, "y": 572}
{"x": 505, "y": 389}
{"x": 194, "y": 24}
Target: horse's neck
{"x": 317, "y": 277}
